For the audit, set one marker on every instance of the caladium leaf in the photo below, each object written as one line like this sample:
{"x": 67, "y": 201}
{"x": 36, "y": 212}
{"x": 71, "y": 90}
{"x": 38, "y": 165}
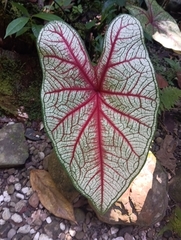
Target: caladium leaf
{"x": 101, "y": 119}
{"x": 159, "y": 24}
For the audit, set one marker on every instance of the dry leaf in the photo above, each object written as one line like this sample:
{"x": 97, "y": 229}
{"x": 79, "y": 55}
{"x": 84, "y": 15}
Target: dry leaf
{"x": 162, "y": 83}
{"x": 165, "y": 154}
{"x": 49, "y": 195}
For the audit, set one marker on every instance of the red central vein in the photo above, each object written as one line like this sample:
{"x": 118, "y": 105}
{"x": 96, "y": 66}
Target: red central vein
{"x": 99, "y": 134}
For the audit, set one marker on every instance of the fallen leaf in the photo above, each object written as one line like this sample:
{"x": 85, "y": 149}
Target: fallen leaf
{"x": 165, "y": 154}
{"x": 179, "y": 78}
{"x": 162, "y": 82}
{"x": 49, "y": 195}
{"x": 169, "y": 121}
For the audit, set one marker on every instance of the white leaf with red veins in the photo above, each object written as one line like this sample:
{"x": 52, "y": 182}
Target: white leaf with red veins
{"x": 101, "y": 119}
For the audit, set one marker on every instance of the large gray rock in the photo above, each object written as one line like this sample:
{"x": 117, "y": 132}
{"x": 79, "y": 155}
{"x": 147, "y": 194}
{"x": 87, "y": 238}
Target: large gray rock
{"x": 175, "y": 187}
{"x": 13, "y": 146}
{"x": 145, "y": 201}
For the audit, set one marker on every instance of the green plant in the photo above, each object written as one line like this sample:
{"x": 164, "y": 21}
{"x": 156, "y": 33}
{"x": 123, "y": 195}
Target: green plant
{"x": 174, "y": 222}
{"x": 26, "y": 22}
{"x": 159, "y": 24}
{"x": 101, "y": 119}
{"x": 169, "y": 96}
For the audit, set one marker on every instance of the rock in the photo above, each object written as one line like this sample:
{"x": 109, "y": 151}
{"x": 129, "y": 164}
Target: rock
{"x": 34, "y": 200}
{"x": 13, "y": 146}
{"x": 17, "y": 186}
{"x": 16, "y": 218}
{"x": 114, "y": 230}
{"x": 7, "y": 197}
{"x": 175, "y": 187}
{"x": 6, "y": 214}
{"x": 52, "y": 229}
{"x": 48, "y": 220}
{"x": 79, "y": 235}
{"x": 62, "y": 226}
{"x": 11, "y": 233}
{"x": 44, "y": 237}
{"x": 4, "y": 229}
{"x": 79, "y": 215}
{"x": 118, "y": 238}
{"x": 127, "y": 236}
{"x": 72, "y": 232}
{"x": 21, "y": 206}
{"x": 145, "y": 202}
{"x": 20, "y": 196}
{"x": 24, "y": 229}
{"x": 10, "y": 189}
{"x": 32, "y": 135}
{"x": 36, "y": 237}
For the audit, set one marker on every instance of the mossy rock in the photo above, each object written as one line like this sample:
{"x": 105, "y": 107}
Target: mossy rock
{"x": 20, "y": 78}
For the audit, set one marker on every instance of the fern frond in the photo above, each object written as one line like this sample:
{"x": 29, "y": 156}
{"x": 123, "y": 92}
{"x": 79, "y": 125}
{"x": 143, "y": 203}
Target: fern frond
{"x": 169, "y": 97}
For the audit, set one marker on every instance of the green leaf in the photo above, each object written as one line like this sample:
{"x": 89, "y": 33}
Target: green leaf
{"x": 63, "y": 3}
{"x": 159, "y": 24}
{"x": 22, "y": 31}
{"x": 21, "y": 8}
{"x": 47, "y": 16}
{"x": 169, "y": 97}
{"x": 16, "y": 25}
{"x": 36, "y": 29}
{"x": 91, "y": 24}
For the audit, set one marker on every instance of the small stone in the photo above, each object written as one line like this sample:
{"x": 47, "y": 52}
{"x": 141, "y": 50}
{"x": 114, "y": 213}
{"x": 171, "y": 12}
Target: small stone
{"x": 88, "y": 218}
{"x": 11, "y": 233}
{"x": 10, "y": 189}
{"x": 2, "y": 222}
{"x": 32, "y": 231}
{"x": 24, "y": 229}
{"x": 20, "y": 196}
{"x": 52, "y": 229}
{"x": 36, "y": 237}
{"x": 47, "y": 151}
{"x": 72, "y": 232}
{"x": 79, "y": 235}
{"x": 48, "y": 220}
{"x": 6, "y": 214}
{"x": 114, "y": 230}
{"x": 25, "y": 190}
{"x": 1, "y": 198}
{"x": 62, "y": 236}
{"x": 44, "y": 237}
{"x": 34, "y": 200}
{"x": 159, "y": 140}
{"x": 4, "y": 229}
{"x": 7, "y": 197}
{"x": 26, "y": 237}
{"x": 118, "y": 238}
{"x": 41, "y": 155}
{"x": 127, "y": 236}
{"x": 20, "y": 206}
{"x": 104, "y": 236}
{"x": 62, "y": 226}
{"x": 17, "y": 186}
{"x": 79, "y": 215}
{"x": 12, "y": 179}
{"x": 16, "y": 218}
